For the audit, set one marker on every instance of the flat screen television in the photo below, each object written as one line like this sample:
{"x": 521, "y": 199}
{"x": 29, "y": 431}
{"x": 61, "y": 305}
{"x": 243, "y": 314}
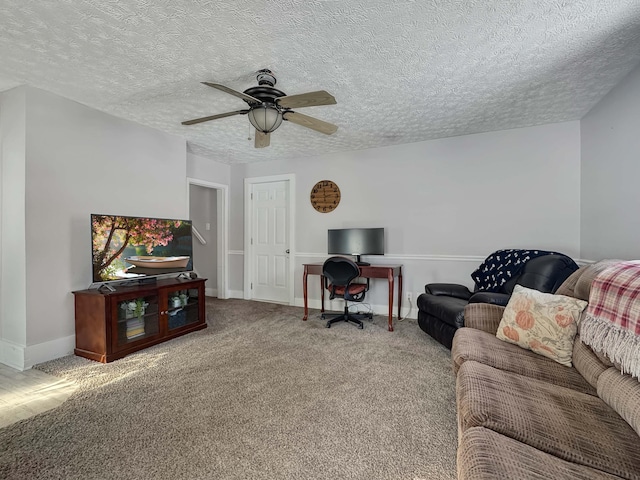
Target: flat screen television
{"x": 356, "y": 241}
{"x": 132, "y": 248}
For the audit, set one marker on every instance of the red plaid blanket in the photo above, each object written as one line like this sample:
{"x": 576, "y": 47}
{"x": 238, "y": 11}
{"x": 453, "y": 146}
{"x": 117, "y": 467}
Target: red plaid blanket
{"x": 612, "y": 321}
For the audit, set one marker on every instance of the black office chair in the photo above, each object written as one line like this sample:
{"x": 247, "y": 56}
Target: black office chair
{"x": 339, "y": 275}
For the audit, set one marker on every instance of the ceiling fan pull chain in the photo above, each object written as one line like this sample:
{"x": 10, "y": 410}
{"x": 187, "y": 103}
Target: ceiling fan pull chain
{"x": 249, "y": 137}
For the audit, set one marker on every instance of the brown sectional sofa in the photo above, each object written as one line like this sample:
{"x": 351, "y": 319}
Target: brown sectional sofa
{"x": 524, "y": 416}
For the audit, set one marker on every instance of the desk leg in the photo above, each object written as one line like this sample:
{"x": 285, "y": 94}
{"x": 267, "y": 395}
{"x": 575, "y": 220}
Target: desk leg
{"x": 400, "y": 295}
{"x": 390, "y": 280}
{"x": 304, "y": 292}
{"x": 322, "y": 293}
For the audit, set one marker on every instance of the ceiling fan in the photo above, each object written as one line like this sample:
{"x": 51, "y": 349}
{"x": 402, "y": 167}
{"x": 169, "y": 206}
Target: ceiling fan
{"x": 268, "y": 106}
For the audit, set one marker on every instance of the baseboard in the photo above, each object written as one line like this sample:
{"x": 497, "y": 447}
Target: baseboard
{"x": 43, "y": 352}
{"x": 23, "y": 358}
{"x": 236, "y": 294}
{"x": 211, "y": 292}
{"x": 338, "y": 305}
{"x": 12, "y": 354}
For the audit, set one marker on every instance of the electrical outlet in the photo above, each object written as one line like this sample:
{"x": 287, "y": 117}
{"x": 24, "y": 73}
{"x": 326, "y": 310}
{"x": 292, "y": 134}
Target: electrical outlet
{"x": 408, "y": 296}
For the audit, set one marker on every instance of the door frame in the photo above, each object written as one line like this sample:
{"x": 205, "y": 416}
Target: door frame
{"x": 222, "y": 230}
{"x": 248, "y": 230}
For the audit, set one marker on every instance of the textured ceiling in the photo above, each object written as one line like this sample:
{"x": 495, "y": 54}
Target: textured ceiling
{"x": 401, "y": 71}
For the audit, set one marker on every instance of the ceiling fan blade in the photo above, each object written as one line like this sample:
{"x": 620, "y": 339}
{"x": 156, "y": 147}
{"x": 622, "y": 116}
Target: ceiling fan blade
{"x": 214, "y": 117}
{"x": 310, "y": 99}
{"x": 310, "y": 122}
{"x": 262, "y": 139}
{"x": 243, "y": 96}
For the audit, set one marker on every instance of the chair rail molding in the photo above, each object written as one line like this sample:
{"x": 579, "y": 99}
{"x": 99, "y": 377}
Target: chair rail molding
{"x": 430, "y": 258}
{"x": 400, "y": 256}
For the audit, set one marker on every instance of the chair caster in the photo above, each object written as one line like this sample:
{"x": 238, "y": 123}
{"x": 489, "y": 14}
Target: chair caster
{"x": 361, "y": 326}
{"x": 371, "y": 316}
{"x": 328, "y": 325}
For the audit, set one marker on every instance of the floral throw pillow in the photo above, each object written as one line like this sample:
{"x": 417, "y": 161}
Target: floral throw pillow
{"x": 542, "y": 322}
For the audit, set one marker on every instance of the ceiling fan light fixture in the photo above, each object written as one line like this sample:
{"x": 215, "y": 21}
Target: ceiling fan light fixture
{"x": 265, "y": 117}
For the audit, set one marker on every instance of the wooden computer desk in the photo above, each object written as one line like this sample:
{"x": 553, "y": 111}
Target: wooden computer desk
{"x": 369, "y": 271}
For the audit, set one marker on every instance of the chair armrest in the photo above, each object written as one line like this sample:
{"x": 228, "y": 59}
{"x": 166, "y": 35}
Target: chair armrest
{"x": 493, "y": 298}
{"x": 483, "y": 316}
{"x": 448, "y": 289}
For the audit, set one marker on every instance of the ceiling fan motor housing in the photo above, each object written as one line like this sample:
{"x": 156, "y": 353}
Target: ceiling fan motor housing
{"x": 264, "y": 93}
{"x": 267, "y": 115}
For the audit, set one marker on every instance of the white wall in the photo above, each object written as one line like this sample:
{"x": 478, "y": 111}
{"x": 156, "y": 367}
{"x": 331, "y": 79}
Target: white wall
{"x": 203, "y": 211}
{"x": 81, "y": 161}
{"x": 13, "y": 304}
{"x": 445, "y": 203}
{"x": 610, "y": 172}
{"x": 208, "y": 170}
{"x": 212, "y": 172}
{"x": 236, "y": 230}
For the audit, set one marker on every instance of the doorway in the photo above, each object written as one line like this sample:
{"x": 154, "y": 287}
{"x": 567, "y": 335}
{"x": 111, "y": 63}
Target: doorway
{"x": 208, "y": 205}
{"x": 269, "y": 239}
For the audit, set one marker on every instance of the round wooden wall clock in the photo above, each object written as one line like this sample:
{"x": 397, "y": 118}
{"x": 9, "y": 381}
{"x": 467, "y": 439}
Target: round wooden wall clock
{"x": 325, "y": 196}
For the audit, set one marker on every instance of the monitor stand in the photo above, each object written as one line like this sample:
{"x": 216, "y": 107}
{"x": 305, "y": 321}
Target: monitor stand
{"x": 107, "y": 287}
{"x": 360, "y": 263}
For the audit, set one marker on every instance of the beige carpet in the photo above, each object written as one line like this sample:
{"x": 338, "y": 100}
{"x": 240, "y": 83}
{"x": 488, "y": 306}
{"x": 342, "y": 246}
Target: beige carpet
{"x": 260, "y": 394}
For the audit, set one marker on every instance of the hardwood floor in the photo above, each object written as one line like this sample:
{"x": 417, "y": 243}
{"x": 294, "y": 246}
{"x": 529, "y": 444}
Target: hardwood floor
{"x": 24, "y": 394}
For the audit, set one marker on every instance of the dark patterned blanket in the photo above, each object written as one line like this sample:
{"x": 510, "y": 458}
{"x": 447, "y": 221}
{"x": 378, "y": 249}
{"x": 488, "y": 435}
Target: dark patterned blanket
{"x": 502, "y": 265}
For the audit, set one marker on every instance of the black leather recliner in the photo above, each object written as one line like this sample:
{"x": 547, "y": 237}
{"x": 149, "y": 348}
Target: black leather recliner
{"x": 441, "y": 307}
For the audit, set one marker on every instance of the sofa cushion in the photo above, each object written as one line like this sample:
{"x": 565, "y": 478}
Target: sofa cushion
{"x": 482, "y": 347}
{"x": 622, "y": 393}
{"x": 483, "y": 316}
{"x": 447, "y": 309}
{"x": 546, "y": 274}
{"x": 542, "y": 322}
{"x": 437, "y": 329}
{"x": 485, "y": 454}
{"x": 587, "y": 363}
{"x": 568, "y": 286}
{"x": 573, "y": 426}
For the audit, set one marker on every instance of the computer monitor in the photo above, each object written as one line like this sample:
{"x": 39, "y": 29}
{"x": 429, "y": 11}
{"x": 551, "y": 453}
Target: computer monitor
{"x": 356, "y": 241}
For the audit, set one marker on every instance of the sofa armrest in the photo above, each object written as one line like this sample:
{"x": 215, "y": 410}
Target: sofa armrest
{"x": 483, "y": 316}
{"x": 448, "y": 289}
{"x": 493, "y": 298}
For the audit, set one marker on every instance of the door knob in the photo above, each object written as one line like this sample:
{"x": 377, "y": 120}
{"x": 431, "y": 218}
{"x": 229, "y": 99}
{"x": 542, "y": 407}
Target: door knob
{"x": 287, "y": 250}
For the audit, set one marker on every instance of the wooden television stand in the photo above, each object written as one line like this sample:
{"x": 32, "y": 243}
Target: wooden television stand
{"x": 112, "y": 324}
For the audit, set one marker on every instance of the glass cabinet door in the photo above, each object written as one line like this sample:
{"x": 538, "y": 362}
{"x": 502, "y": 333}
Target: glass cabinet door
{"x": 182, "y": 307}
{"x": 138, "y": 318}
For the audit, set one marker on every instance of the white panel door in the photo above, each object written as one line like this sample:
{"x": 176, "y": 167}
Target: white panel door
{"x": 270, "y": 242}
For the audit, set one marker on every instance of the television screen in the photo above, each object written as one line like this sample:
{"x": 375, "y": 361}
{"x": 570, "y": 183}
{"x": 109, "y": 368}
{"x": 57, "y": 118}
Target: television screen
{"x": 125, "y": 248}
{"x": 356, "y": 241}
